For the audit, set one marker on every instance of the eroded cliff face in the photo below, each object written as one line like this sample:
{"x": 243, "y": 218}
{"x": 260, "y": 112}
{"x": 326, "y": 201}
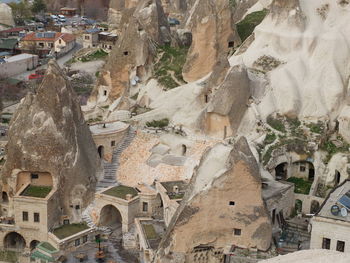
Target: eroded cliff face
{"x": 205, "y": 216}
{"x": 6, "y": 17}
{"x": 48, "y": 134}
{"x": 212, "y": 33}
{"x": 144, "y": 27}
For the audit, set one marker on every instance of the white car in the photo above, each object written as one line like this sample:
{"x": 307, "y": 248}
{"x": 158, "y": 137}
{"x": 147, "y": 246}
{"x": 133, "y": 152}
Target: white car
{"x": 61, "y": 16}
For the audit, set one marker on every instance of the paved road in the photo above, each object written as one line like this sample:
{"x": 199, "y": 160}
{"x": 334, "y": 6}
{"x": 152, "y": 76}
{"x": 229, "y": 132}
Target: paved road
{"x": 60, "y": 61}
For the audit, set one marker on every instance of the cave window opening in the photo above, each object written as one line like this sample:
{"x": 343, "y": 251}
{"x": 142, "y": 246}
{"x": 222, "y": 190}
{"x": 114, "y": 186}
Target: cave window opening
{"x": 231, "y": 44}
{"x": 126, "y": 53}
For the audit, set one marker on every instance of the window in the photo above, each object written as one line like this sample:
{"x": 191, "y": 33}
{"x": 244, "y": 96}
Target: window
{"x": 36, "y": 217}
{"x": 232, "y": 203}
{"x": 87, "y": 37}
{"x": 112, "y": 143}
{"x": 302, "y": 168}
{"x": 77, "y": 207}
{"x": 60, "y": 41}
{"x": 77, "y": 242}
{"x": 273, "y": 216}
{"x": 34, "y": 176}
{"x": 231, "y": 44}
{"x": 340, "y": 246}
{"x": 66, "y": 221}
{"x": 144, "y": 206}
{"x": 25, "y": 216}
{"x": 126, "y": 53}
{"x": 237, "y": 231}
{"x": 41, "y": 44}
{"x": 85, "y": 239}
{"x": 105, "y": 93}
{"x": 326, "y": 243}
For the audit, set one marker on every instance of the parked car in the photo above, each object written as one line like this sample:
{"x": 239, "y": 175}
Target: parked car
{"x": 34, "y": 76}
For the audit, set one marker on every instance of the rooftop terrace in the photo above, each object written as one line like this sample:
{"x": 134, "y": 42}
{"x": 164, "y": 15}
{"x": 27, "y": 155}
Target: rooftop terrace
{"x": 154, "y": 231}
{"x": 169, "y": 187}
{"x": 36, "y": 191}
{"x": 68, "y": 230}
{"x": 121, "y": 191}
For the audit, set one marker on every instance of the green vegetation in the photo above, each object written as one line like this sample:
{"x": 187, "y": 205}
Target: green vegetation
{"x": 233, "y": 3}
{"x": 97, "y": 74}
{"x": 246, "y": 27}
{"x": 316, "y": 127}
{"x": 38, "y": 6}
{"x": 135, "y": 96}
{"x": 150, "y": 231}
{"x": 176, "y": 196}
{"x": 68, "y": 230}
{"x": 121, "y": 191}
{"x": 37, "y": 191}
{"x": 97, "y": 55}
{"x": 92, "y": 120}
{"x": 21, "y": 11}
{"x": 301, "y": 186}
{"x": 270, "y": 138}
{"x": 331, "y": 149}
{"x": 276, "y": 124}
{"x": 158, "y": 123}
{"x": 8, "y": 256}
{"x": 168, "y": 70}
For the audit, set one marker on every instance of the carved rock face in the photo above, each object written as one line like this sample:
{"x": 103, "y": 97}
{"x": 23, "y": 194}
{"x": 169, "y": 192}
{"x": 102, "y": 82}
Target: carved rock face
{"x": 48, "y": 134}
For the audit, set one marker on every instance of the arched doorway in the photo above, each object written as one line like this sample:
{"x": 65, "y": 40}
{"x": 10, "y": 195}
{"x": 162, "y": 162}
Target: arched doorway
{"x": 5, "y": 197}
{"x": 33, "y": 244}
{"x": 281, "y": 171}
{"x": 110, "y": 217}
{"x": 101, "y": 150}
{"x": 337, "y": 177}
{"x": 315, "y": 206}
{"x": 14, "y": 240}
{"x": 298, "y": 206}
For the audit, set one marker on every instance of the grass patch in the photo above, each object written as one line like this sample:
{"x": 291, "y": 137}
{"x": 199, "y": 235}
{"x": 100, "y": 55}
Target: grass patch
{"x": 135, "y": 96}
{"x": 92, "y": 120}
{"x": 121, "y": 191}
{"x": 301, "y": 186}
{"x": 246, "y": 27}
{"x": 270, "y": 138}
{"x": 97, "y": 55}
{"x": 276, "y": 124}
{"x": 150, "y": 231}
{"x": 68, "y": 230}
{"x": 176, "y": 196}
{"x": 316, "y": 127}
{"x": 158, "y": 123}
{"x": 36, "y": 191}
{"x": 8, "y": 256}
{"x": 172, "y": 60}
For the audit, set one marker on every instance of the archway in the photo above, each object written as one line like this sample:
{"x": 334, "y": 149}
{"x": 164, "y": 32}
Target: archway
{"x": 14, "y": 240}
{"x": 33, "y": 244}
{"x": 101, "y": 150}
{"x": 298, "y": 206}
{"x": 110, "y": 217}
{"x": 315, "y": 206}
{"x": 281, "y": 171}
{"x": 5, "y": 197}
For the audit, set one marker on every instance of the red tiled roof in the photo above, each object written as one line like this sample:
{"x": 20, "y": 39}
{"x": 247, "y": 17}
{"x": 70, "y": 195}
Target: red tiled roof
{"x": 14, "y": 29}
{"x": 66, "y": 37}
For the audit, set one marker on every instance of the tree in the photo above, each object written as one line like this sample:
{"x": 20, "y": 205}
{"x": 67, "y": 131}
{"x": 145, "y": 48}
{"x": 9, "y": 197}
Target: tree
{"x": 21, "y": 11}
{"x": 38, "y": 6}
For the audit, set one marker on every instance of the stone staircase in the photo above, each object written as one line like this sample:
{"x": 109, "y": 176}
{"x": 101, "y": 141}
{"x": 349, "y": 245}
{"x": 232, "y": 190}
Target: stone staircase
{"x": 110, "y": 169}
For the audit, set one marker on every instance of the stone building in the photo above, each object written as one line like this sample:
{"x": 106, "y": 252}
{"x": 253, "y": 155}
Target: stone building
{"x": 331, "y": 225}
{"x": 50, "y": 173}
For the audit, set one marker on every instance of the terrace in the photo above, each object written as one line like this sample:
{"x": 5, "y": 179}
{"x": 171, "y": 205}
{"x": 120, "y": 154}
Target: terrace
{"x": 121, "y": 191}
{"x": 68, "y": 230}
{"x": 175, "y": 189}
{"x": 36, "y": 191}
{"x": 153, "y": 231}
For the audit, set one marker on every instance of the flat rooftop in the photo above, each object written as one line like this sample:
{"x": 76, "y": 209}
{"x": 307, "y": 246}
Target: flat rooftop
{"x": 68, "y": 230}
{"x": 36, "y": 191}
{"x": 108, "y": 127}
{"x": 121, "y": 191}
{"x": 169, "y": 187}
{"x": 154, "y": 231}
{"x": 19, "y": 57}
{"x": 337, "y": 206}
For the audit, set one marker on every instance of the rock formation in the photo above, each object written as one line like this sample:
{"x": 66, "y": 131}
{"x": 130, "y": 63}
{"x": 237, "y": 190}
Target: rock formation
{"x": 6, "y": 17}
{"x": 48, "y": 134}
{"x": 224, "y": 195}
{"x": 133, "y": 55}
{"x": 212, "y": 33}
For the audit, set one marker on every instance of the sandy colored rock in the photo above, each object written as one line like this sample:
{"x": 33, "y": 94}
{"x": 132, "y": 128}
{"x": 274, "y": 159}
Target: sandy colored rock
{"x": 205, "y": 217}
{"x": 48, "y": 134}
{"x": 211, "y": 26}
{"x": 6, "y": 17}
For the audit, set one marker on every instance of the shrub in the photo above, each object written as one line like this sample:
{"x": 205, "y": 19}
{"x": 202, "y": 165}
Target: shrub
{"x": 270, "y": 138}
{"x": 301, "y": 186}
{"x": 246, "y": 27}
{"x": 158, "y": 123}
{"x": 276, "y": 124}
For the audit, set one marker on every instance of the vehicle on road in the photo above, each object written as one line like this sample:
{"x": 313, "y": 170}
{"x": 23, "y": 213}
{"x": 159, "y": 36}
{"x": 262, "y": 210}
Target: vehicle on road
{"x": 35, "y": 76}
